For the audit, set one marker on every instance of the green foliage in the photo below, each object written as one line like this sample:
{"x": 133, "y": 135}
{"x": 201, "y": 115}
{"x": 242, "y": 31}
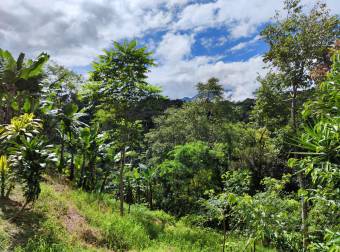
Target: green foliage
{"x": 19, "y": 83}
{"x": 193, "y": 167}
{"x": 326, "y": 102}
{"x": 237, "y": 182}
{"x": 272, "y": 108}
{"x": 299, "y": 42}
{"x": 6, "y": 178}
{"x": 23, "y": 126}
{"x": 4, "y": 237}
{"x": 29, "y": 159}
{"x": 320, "y": 160}
{"x": 210, "y": 91}
{"x": 271, "y": 216}
{"x": 28, "y": 153}
{"x": 205, "y": 160}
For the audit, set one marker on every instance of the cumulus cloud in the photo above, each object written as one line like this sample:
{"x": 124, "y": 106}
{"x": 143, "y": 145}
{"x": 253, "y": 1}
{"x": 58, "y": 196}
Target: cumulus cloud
{"x": 75, "y": 31}
{"x": 174, "y": 47}
{"x": 243, "y": 45}
{"x": 181, "y": 78}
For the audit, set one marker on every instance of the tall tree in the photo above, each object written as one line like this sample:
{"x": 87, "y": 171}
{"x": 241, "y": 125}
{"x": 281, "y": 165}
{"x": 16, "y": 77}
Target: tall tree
{"x": 122, "y": 71}
{"x": 297, "y": 44}
{"x": 210, "y": 91}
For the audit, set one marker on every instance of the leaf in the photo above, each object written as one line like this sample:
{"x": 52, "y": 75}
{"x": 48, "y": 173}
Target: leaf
{"x": 20, "y": 61}
{"x": 15, "y": 105}
{"x": 70, "y": 109}
{"x": 27, "y": 105}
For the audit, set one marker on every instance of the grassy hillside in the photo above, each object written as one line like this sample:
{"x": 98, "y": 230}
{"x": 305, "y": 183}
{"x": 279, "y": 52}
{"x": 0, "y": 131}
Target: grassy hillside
{"x": 70, "y": 220}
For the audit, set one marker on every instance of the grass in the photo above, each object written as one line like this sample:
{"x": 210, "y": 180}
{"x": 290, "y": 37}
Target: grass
{"x": 71, "y": 220}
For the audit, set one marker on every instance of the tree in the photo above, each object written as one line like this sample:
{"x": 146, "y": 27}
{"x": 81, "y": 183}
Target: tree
{"x": 298, "y": 43}
{"x": 189, "y": 171}
{"x": 210, "y": 91}
{"x": 272, "y": 108}
{"x": 122, "y": 72}
{"x": 320, "y": 145}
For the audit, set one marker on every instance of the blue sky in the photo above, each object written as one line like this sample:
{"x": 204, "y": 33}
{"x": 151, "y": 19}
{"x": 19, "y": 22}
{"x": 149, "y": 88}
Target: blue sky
{"x": 191, "y": 40}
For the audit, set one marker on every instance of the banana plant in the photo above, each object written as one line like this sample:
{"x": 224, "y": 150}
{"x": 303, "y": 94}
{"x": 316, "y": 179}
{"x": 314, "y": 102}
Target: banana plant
{"x": 90, "y": 142}
{"x": 69, "y": 127}
{"x": 20, "y": 83}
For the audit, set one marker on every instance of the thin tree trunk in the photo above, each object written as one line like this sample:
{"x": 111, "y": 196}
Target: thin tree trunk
{"x": 293, "y": 107}
{"x": 138, "y": 191}
{"x": 150, "y": 196}
{"x": 82, "y": 173}
{"x": 304, "y": 216}
{"x": 72, "y": 167}
{"x": 2, "y": 193}
{"x": 224, "y": 232}
{"x": 71, "y": 177}
{"x": 103, "y": 183}
{"x": 92, "y": 167}
{"x": 121, "y": 181}
{"x": 304, "y": 206}
{"x": 62, "y": 148}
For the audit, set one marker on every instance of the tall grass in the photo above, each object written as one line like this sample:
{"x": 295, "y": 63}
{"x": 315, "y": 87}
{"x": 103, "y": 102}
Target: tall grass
{"x": 139, "y": 230}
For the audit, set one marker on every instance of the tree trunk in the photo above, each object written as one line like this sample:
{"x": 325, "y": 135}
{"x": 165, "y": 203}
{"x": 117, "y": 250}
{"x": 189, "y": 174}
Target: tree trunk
{"x": 293, "y": 108}
{"x": 72, "y": 167}
{"x": 121, "y": 181}
{"x": 62, "y": 148}
{"x": 150, "y": 196}
{"x": 304, "y": 206}
{"x": 92, "y": 167}
{"x": 2, "y": 191}
{"x": 224, "y": 232}
{"x": 304, "y": 215}
{"x": 103, "y": 183}
{"x": 82, "y": 172}
{"x": 138, "y": 192}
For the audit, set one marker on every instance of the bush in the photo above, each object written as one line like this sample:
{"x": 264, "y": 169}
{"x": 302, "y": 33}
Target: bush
{"x": 194, "y": 220}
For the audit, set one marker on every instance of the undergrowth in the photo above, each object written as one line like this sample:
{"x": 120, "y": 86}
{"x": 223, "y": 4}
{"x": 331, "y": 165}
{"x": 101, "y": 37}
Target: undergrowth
{"x": 139, "y": 230}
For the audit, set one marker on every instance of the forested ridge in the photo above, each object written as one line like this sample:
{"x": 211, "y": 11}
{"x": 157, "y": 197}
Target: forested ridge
{"x": 108, "y": 163}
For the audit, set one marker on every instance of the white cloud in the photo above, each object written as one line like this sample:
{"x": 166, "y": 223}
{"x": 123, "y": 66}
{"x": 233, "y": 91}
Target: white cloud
{"x": 181, "y": 77}
{"x": 174, "y": 47}
{"x": 75, "y": 31}
{"x": 243, "y": 45}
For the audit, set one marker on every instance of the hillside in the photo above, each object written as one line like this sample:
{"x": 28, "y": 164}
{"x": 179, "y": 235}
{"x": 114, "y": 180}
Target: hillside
{"x": 64, "y": 219}
{"x": 96, "y": 155}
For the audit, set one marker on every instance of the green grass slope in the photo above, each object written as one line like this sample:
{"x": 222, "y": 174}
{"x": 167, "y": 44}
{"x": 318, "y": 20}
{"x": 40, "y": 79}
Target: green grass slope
{"x": 71, "y": 220}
